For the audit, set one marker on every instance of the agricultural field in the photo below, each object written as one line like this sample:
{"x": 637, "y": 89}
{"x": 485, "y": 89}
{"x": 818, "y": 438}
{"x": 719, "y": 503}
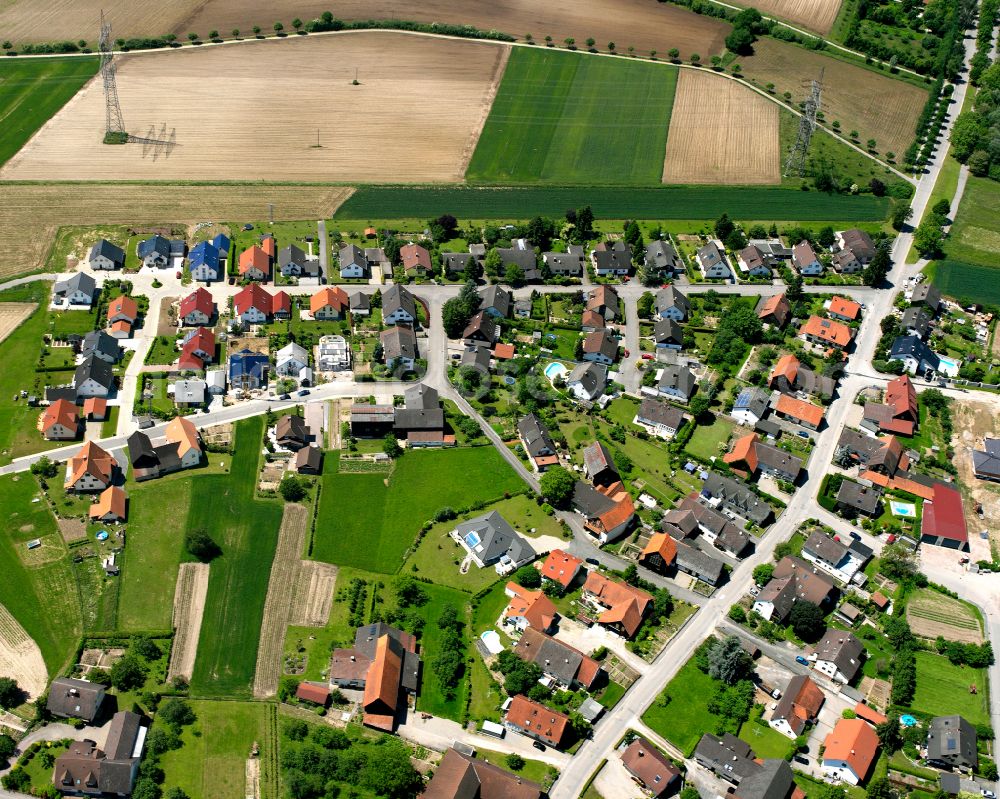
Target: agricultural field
{"x": 246, "y": 529}
{"x": 32, "y": 91}
{"x": 388, "y": 518}
{"x": 413, "y": 116}
{"x": 970, "y": 270}
{"x": 931, "y": 614}
{"x": 943, "y": 688}
{"x": 664, "y": 202}
{"x": 12, "y": 314}
{"x": 877, "y": 106}
{"x": 31, "y": 213}
{"x": 27, "y": 21}
{"x": 814, "y": 15}
{"x": 967, "y": 282}
{"x": 739, "y": 145}
{"x": 569, "y": 118}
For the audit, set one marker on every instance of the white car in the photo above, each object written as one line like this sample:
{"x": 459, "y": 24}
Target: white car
{"x": 988, "y": 794}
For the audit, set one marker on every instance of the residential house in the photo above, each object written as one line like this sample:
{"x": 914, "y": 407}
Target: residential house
{"x": 943, "y": 520}
{"x": 753, "y": 456}
{"x": 662, "y": 259}
{"x": 93, "y": 378}
{"x": 105, "y": 255}
{"x": 95, "y": 409}
{"x": 772, "y": 248}
{"x": 248, "y": 370}
{"x": 826, "y": 332}
{"x": 77, "y": 290}
{"x": 849, "y": 751}
{"x": 916, "y": 321}
{"x": 676, "y": 382}
{"x": 291, "y": 359}
{"x": 599, "y": 466}
{"x": 668, "y": 334}
{"x": 565, "y": 264}
{"x": 660, "y": 419}
{"x": 839, "y": 560}
{"x": 600, "y": 347}
{"x": 190, "y": 393}
{"x": 255, "y": 264}
{"x": 223, "y": 244}
{"x": 754, "y": 262}
{"x": 254, "y": 306}
{"x": 853, "y": 498}
{"x": 845, "y": 262}
{"x": 90, "y": 469}
{"x": 798, "y": 707}
{"x": 309, "y": 460}
{"x": 456, "y": 263}
{"x": 951, "y": 744}
{"x": 478, "y": 358}
{"x": 669, "y": 303}
{"x": 620, "y": 607}
{"x": 794, "y": 580}
{"x": 399, "y": 347}
{"x": 398, "y": 306}
{"x": 353, "y": 263}
{"x": 898, "y": 413}
{"x": 986, "y": 461}
{"x": 650, "y": 768}
{"x": 520, "y": 255}
{"x": 659, "y": 554}
{"x": 528, "y": 610}
{"x": 926, "y": 294}
{"x": 490, "y": 541}
{"x": 838, "y": 655}
{"x": 699, "y": 565}
{"x": 805, "y": 261}
{"x": 713, "y": 263}
{"x": 84, "y": 769}
{"x": 154, "y": 252}
{"x": 774, "y": 310}
{"x": 844, "y": 309}
{"x": 360, "y": 304}
{"x": 334, "y": 354}
{"x": 416, "y": 260}
{"x": 587, "y": 381}
{"x": 608, "y": 511}
{"x": 480, "y": 331}
{"x": 751, "y": 406}
{"x": 203, "y": 262}
{"x": 70, "y": 698}
{"x": 329, "y": 303}
{"x": 591, "y": 321}
{"x": 802, "y": 413}
{"x": 537, "y": 443}
{"x": 736, "y": 497}
{"x": 715, "y": 528}
{"x": 611, "y": 258}
{"x": 726, "y": 756}
{"x": 197, "y": 350}
{"x": 536, "y": 721}
{"x": 291, "y": 433}
{"x": 880, "y": 455}
{"x": 604, "y": 300}
{"x": 789, "y": 377}
{"x": 197, "y": 308}
{"x": 59, "y": 421}
{"x": 561, "y": 567}
{"x": 857, "y": 242}
{"x": 461, "y": 776}
{"x": 292, "y": 261}
{"x": 100, "y": 345}
{"x": 215, "y": 380}
{"x": 915, "y": 355}
{"x": 495, "y": 301}
{"x": 372, "y": 421}
{"x": 110, "y": 506}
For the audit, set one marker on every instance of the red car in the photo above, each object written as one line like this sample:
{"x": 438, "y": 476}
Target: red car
{"x": 647, "y": 356}
{"x": 179, "y": 274}
{"x": 627, "y": 353}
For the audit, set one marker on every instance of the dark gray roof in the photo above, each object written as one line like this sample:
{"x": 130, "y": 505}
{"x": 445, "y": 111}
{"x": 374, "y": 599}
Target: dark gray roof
{"x": 772, "y": 779}
{"x": 917, "y": 319}
{"x": 778, "y": 460}
{"x": 693, "y": 560}
{"x": 914, "y": 347}
{"x": 421, "y": 396}
{"x": 612, "y": 259}
{"x": 710, "y": 255}
{"x": 496, "y": 539}
{"x": 738, "y": 496}
{"x": 479, "y": 358}
{"x": 418, "y": 419}
{"x": 80, "y": 281}
{"x": 94, "y": 369}
{"x": 823, "y": 547}
{"x": 670, "y": 297}
{"x": 564, "y": 263}
{"x": 843, "y": 650}
{"x": 525, "y": 259}
{"x": 814, "y": 383}
{"x": 667, "y": 330}
{"x": 156, "y": 244}
{"x": 592, "y": 376}
{"x": 352, "y": 255}
{"x": 72, "y": 698}
{"x": 99, "y": 341}
{"x": 656, "y": 411}
{"x": 753, "y": 399}
{"x": 589, "y": 501}
{"x": 861, "y": 497}
{"x": 291, "y": 255}
{"x": 552, "y": 656}
{"x": 360, "y": 301}
{"x": 399, "y": 341}
{"x": 727, "y": 756}
{"x": 110, "y": 251}
{"x": 952, "y": 739}
{"x": 396, "y": 297}
{"x": 986, "y": 461}
{"x": 536, "y": 438}
{"x": 497, "y": 298}
{"x": 679, "y": 378}
{"x": 662, "y": 255}
{"x": 455, "y": 261}
{"x": 140, "y": 450}
{"x": 167, "y": 456}
{"x": 928, "y": 294}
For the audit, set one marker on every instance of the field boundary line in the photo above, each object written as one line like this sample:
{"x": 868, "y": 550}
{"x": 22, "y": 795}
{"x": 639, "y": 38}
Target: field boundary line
{"x": 499, "y": 70}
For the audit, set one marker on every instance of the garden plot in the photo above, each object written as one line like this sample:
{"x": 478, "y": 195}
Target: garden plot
{"x": 189, "y": 607}
{"x": 931, "y": 614}
{"x": 20, "y": 657}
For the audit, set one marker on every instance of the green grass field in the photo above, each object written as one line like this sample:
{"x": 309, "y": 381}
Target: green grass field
{"x": 643, "y": 202}
{"x": 968, "y": 282}
{"x": 431, "y": 698}
{"x": 563, "y": 117}
{"x": 247, "y": 531}
{"x": 943, "y": 688}
{"x": 38, "y": 588}
{"x": 766, "y": 742}
{"x": 366, "y": 524}
{"x": 32, "y": 90}
{"x": 970, "y": 270}
{"x": 685, "y": 718}
{"x": 705, "y": 441}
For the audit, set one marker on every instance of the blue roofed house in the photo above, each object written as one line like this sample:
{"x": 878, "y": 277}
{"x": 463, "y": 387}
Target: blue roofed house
{"x": 154, "y": 252}
{"x": 222, "y": 243}
{"x": 105, "y": 255}
{"x": 248, "y": 370}
{"x": 915, "y": 355}
{"x": 204, "y": 262}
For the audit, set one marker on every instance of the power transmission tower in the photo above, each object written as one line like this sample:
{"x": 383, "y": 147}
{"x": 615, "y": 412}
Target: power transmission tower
{"x": 796, "y": 161}
{"x": 114, "y": 123}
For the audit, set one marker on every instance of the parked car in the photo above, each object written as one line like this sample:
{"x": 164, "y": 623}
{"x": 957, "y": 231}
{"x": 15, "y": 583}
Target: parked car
{"x": 303, "y": 393}
{"x": 647, "y": 356}
{"x": 285, "y": 396}
{"x": 988, "y": 794}
{"x": 541, "y": 748}
{"x": 593, "y": 561}
{"x": 799, "y": 759}
{"x": 802, "y": 660}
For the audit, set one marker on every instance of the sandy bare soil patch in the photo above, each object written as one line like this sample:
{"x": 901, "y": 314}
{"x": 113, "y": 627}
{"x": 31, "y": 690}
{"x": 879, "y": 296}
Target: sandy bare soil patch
{"x": 721, "y": 132}
{"x": 878, "y": 107}
{"x": 12, "y": 314}
{"x": 930, "y": 615}
{"x": 72, "y": 529}
{"x": 313, "y": 594}
{"x": 252, "y": 112}
{"x": 30, "y": 214}
{"x": 814, "y": 15}
{"x": 972, "y": 421}
{"x": 280, "y": 593}
{"x": 20, "y": 656}
{"x": 189, "y": 607}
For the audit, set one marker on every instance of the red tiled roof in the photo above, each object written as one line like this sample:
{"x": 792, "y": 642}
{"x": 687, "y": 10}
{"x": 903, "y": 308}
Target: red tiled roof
{"x": 744, "y": 451}
{"x": 92, "y": 460}
{"x": 853, "y": 742}
{"x": 414, "y": 257}
{"x": 869, "y": 714}
{"x": 944, "y": 517}
{"x": 255, "y": 258}
{"x": 125, "y": 306}
{"x": 549, "y": 725}
{"x": 626, "y": 605}
{"x": 503, "y": 352}
{"x": 252, "y": 296}
{"x": 61, "y": 412}
{"x": 799, "y": 409}
{"x": 561, "y": 567}
{"x": 269, "y": 246}
{"x": 96, "y": 407}
{"x": 591, "y": 319}
{"x": 776, "y": 305}
{"x": 787, "y": 367}
{"x": 660, "y": 544}
{"x": 110, "y": 502}
{"x": 198, "y": 300}
{"x": 827, "y": 330}
{"x": 121, "y": 326}
{"x": 281, "y": 303}
{"x": 533, "y": 606}
{"x": 335, "y": 297}
{"x": 311, "y": 692}
{"x": 849, "y": 309}
{"x": 382, "y": 684}
{"x": 901, "y": 396}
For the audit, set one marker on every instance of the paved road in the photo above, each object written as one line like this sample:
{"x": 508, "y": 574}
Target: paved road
{"x": 324, "y": 246}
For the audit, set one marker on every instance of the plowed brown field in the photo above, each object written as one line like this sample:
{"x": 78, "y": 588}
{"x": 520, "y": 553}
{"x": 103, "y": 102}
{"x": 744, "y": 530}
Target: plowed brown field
{"x": 253, "y": 112}
{"x": 721, "y": 132}
{"x": 814, "y": 15}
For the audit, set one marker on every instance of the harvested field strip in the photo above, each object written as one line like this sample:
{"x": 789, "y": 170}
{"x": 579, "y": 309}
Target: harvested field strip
{"x": 32, "y": 90}
{"x": 12, "y": 314}
{"x": 814, "y": 15}
{"x": 570, "y": 118}
{"x": 31, "y": 213}
{"x": 189, "y": 608}
{"x": 412, "y": 115}
{"x": 281, "y": 589}
{"x": 931, "y": 614}
{"x": 313, "y": 599}
{"x": 666, "y": 202}
{"x": 20, "y": 657}
{"x": 721, "y": 132}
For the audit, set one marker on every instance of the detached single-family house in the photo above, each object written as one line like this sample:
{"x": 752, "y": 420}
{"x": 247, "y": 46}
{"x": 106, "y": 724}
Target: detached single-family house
{"x": 253, "y": 305}
{"x": 455, "y": 263}
{"x": 399, "y": 347}
{"x": 197, "y": 350}
{"x": 926, "y": 294}
{"x": 78, "y": 290}
{"x": 751, "y": 406}
{"x": 70, "y": 698}
{"x": 619, "y": 607}
{"x": 562, "y": 568}
{"x": 361, "y": 304}
{"x": 291, "y": 433}
{"x": 826, "y": 332}
{"x": 835, "y": 557}
{"x": 521, "y": 255}
{"x": 255, "y": 264}
{"x": 839, "y": 655}
{"x": 481, "y": 331}
{"x": 713, "y": 263}
{"x": 565, "y": 264}
{"x": 845, "y": 262}
{"x": 90, "y": 469}
{"x": 662, "y": 259}
{"x": 916, "y": 321}
{"x": 123, "y": 309}
{"x": 154, "y": 252}
{"x": 986, "y": 461}
{"x": 110, "y": 506}
{"x": 669, "y": 303}
{"x": 857, "y": 242}
{"x": 607, "y": 511}
{"x": 528, "y": 610}
{"x": 353, "y": 263}
{"x": 754, "y": 262}
{"x": 416, "y": 260}
{"x": 660, "y": 419}
{"x": 495, "y": 300}
{"x": 292, "y": 262}
{"x": 805, "y": 261}
{"x": 587, "y": 381}
{"x": 604, "y": 300}
{"x": 794, "y": 580}
{"x": 853, "y": 498}
{"x": 916, "y": 356}
{"x": 752, "y": 456}
{"x": 203, "y": 262}
{"x": 101, "y": 345}
{"x": 329, "y": 303}
{"x": 537, "y": 442}
{"x": 536, "y": 721}
{"x": 59, "y": 421}
{"x": 291, "y": 359}
{"x": 600, "y": 347}
{"x": 612, "y": 258}
{"x": 197, "y": 308}
{"x": 951, "y": 744}
{"x": 650, "y": 768}
{"x": 844, "y": 309}
{"x": 105, "y": 255}
{"x": 799, "y": 706}
{"x": 248, "y": 370}
{"x": 93, "y": 378}
{"x": 398, "y": 306}
{"x": 676, "y": 382}
{"x": 668, "y": 334}
{"x": 190, "y": 393}
{"x": 567, "y": 667}
{"x": 849, "y": 752}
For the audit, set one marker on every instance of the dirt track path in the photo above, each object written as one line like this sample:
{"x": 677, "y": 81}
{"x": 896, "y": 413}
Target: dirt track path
{"x": 189, "y": 607}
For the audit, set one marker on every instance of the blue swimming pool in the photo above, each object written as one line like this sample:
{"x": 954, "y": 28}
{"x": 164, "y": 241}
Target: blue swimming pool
{"x": 554, "y": 370}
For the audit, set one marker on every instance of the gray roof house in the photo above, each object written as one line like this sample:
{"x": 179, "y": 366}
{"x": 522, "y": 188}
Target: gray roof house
{"x": 353, "y": 262}
{"x": 101, "y": 345}
{"x": 986, "y": 462}
{"x": 701, "y": 565}
{"x": 568, "y": 264}
{"x": 926, "y": 294}
{"x": 398, "y": 306}
{"x": 727, "y": 756}
{"x": 86, "y": 770}
{"x": 669, "y": 334}
{"x": 72, "y": 698}
{"x": 916, "y": 321}
{"x": 78, "y": 289}
{"x": 421, "y": 396}
{"x": 455, "y": 262}
{"x": 399, "y": 345}
{"x": 751, "y": 406}
{"x": 951, "y": 743}
{"x": 662, "y": 257}
{"x": 658, "y": 417}
{"x": 737, "y": 497}
{"x": 154, "y": 251}
{"x": 535, "y": 438}
{"x": 93, "y": 378}
{"x": 522, "y": 255}
{"x": 587, "y": 381}
{"x": 490, "y": 540}
{"x": 190, "y": 392}
{"x": 599, "y": 466}
{"x": 669, "y": 303}
{"x": 838, "y": 655}
{"x": 713, "y": 263}
{"x": 105, "y": 255}
{"x": 860, "y": 498}
{"x": 495, "y": 301}
{"x": 915, "y": 354}
{"x": 677, "y": 382}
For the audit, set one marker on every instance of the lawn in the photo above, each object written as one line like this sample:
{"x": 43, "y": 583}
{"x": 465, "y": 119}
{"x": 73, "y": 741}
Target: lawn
{"x": 432, "y": 697}
{"x": 211, "y": 764}
{"x": 487, "y": 695}
{"x": 609, "y": 202}
{"x": 764, "y": 741}
{"x": 975, "y": 234}
{"x": 685, "y": 717}
{"x": 563, "y": 117}
{"x": 533, "y": 770}
{"x": 32, "y": 90}
{"x": 943, "y": 688}
{"x": 386, "y": 520}
{"x": 38, "y": 587}
{"x": 705, "y": 441}
{"x": 247, "y": 531}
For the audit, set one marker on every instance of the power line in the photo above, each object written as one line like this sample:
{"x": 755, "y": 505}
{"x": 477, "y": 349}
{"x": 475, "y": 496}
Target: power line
{"x": 796, "y": 161}
{"x": 114, "y": 122}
